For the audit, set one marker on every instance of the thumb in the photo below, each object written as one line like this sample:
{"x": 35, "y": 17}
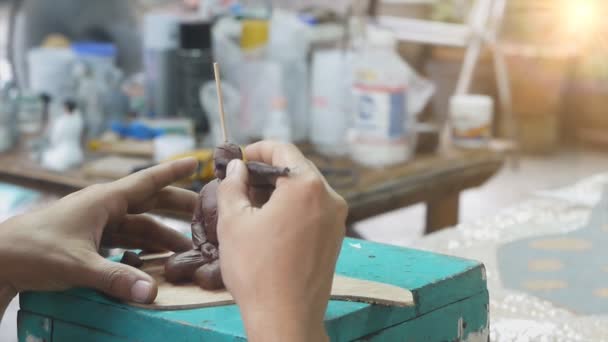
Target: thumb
{"x": 232, "y": 194}
{"x": 120, "y": 281}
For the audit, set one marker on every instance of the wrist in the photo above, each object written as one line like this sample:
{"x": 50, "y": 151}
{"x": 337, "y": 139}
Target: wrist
{"x": 7, "y": 251}
{"x": 284, "y": 324}
{"x": 7, "y": 293}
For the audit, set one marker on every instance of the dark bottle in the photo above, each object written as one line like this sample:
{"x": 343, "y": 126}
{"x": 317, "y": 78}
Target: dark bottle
{"x": 195, "y": 65}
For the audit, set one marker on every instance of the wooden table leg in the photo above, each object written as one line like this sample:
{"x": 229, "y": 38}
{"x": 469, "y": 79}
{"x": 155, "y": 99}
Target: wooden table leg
{"x": 442, "y": 212}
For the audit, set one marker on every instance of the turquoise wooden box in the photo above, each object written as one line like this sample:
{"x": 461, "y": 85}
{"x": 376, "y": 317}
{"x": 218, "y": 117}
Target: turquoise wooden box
{"x": 450, "y": 295}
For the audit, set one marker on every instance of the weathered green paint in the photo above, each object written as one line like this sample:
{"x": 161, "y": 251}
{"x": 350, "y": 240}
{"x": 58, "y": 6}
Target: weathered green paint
{"x": 437, "y": 281}
{"x": 63, "y": 331}
{"x": 34, "y": 327}
{"x": 455, "y": 322}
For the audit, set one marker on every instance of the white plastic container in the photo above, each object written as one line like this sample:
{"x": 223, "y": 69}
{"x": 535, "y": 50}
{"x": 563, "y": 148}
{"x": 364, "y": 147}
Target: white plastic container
{"x": 7, "y": 124}
{"x": 290, "y": 50}
{"x": 260, "y": 85}
{"x": 278, "y": 125}
{"x": 471, "y": 120}
{"x": 30, "y": 113}
{"x": 232, "y": 104}
{"x": 331, "y": 85}
{"x": 383, "y": 130}
{"x": 160, "y": 44}
{"x": 50, "y": 71}
{"x": 167, "y": 146}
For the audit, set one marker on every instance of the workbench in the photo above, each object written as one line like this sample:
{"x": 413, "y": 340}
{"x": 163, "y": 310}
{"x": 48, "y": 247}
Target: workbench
{"x": 436, "y": 180}
{"x": 516, "y": 315}
{"x": 450, "y": 304}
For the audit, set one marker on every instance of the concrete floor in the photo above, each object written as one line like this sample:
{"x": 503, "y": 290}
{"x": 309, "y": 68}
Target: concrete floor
{"x": 405, "y": 226}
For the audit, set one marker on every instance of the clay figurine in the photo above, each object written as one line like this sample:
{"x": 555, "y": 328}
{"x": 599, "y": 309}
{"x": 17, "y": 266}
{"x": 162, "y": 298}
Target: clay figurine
{"x": 201, "y": 264}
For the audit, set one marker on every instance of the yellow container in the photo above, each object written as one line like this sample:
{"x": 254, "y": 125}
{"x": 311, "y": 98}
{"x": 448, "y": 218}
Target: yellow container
{"x": 254, "y": 33}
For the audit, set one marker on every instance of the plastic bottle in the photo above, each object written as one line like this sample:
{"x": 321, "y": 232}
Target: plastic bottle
{"x": 89, "y": 92}
{"x": 161, "y": 41}
{"x": 331, "y": 87}
{"x": 8, "y": 116}
{"x": 260, "y": 85}
{"x": 100, "y": 57}
{"x": 258, "y": 77}
{"x": 253, "y": 9}
{"x": 278, "y": 126}
{"x": 254, "y": 38}
{"x": 291, "y": 52}
{"x": 49, "y": 71}
{"x": 383, "y": 132}
{"x": 30, "y": 113}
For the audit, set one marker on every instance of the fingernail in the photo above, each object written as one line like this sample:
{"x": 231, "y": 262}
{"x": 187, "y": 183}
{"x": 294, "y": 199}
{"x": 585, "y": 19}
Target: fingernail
{"x": 232, "y": 166}
{"x": 141, "y": 291}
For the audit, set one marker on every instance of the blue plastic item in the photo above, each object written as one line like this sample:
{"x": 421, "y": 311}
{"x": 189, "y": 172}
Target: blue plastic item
{"x": 94, "y": 49}
{"x": 308, "y": 19}
{"x": 135, "y": 130}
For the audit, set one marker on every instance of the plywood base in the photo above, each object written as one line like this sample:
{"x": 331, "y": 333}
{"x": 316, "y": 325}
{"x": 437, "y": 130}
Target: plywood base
{"x": 190, "y": 296}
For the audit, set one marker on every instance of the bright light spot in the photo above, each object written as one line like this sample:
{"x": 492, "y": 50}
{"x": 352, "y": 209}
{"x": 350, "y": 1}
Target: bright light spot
{"x": 580, "y": 17}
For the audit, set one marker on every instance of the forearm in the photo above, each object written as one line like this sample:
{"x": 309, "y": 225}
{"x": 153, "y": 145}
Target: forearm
{"x": 262, "y": 324}
{"x": 7, "y": 293}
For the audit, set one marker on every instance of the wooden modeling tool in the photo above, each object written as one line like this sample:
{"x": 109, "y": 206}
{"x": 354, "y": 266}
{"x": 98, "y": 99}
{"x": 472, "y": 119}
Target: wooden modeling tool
{"x": 220, "y": 100}
{"x": 191, "y": 296}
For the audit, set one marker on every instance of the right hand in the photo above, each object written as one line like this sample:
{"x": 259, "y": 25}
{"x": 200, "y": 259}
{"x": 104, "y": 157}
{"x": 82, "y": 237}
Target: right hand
{"x": 278, "y": 259}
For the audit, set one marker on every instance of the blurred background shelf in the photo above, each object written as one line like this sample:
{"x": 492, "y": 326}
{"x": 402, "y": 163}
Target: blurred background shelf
{"x": 435, "y": 180}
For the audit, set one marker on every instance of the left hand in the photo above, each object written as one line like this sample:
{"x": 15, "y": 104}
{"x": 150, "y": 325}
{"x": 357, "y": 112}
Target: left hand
{"x": 56, "y": 248}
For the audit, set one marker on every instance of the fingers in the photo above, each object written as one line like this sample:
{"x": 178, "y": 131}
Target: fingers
{"x": 167, "y": 199}
{"x": 232, "y": 195}
{"x": 119, "y": 280}
{"x": 275, "y": 153}
{"x": 260, "y": 195}
{"x": 176, "y": 199}
{"x": 146, "y": 233}
{"x": 281, "y": 155}
{"x": 144, "y": 184}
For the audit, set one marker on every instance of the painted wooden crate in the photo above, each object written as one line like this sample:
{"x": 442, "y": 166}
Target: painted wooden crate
{"x": 451, "y": 304}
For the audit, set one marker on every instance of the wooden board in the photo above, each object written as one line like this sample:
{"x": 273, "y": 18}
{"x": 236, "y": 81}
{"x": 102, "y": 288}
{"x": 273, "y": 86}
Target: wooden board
{"x": 190, "y": 296}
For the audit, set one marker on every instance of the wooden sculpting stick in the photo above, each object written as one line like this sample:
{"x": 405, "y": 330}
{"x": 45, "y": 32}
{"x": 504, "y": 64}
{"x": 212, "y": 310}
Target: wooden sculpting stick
{"x": 190, "y": 296}
{"x": 220, "y": 100}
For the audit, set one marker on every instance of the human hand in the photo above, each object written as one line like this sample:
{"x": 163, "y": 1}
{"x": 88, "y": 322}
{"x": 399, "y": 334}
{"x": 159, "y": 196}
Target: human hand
{"x": 278, "y": 259}
{"x": 56, "y": 248}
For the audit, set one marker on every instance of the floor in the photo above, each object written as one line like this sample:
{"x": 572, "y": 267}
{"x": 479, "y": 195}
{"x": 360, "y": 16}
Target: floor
{"x": 403, "y": 227}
